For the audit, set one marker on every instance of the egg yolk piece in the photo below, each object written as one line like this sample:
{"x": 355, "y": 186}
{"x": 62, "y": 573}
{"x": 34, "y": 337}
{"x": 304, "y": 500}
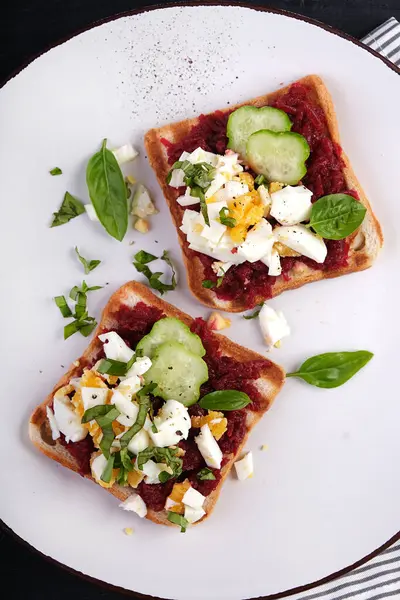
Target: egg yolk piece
{"x": 247, "y": 210}
{"x": 178, "y": 491}
{"x": 216, "y": 421}
{"x": 89, "y": 379}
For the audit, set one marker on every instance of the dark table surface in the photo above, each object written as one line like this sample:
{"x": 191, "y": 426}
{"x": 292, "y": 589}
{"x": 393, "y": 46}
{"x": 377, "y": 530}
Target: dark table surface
{"x": 28, "y": 27}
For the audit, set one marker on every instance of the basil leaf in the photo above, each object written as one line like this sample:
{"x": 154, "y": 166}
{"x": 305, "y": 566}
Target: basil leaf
{"x": 105, "y": 423}
{"x": 122, "y": 477}
{"x": 207, "y": 283}
{"x": 255, "y": 314}
{"x": 112, "y": 367}
{"x": 336, "y": 216}
{"x": 107, "y": 192}
{"x": 87, "y": 328}
{"x": 220, "y": 280}
{"x": 197, "y": 192}
{"x": 63, "y": 306}
{"x": 70, "y": 208}
{"x": 166, "y": 258}
{"x": 225, "y": 220}
{"x": 178, "y": 520}
{"x": 71, "y": 328}
{"x": 144, "y": 405}
{"x": 225, "y": 400}
{"x": 107, "y": 473}
{"x": 80, "y": 307}
{"x": 332, "y": 369}
{"x": 206, "y": 475}
{"x": 126, "y": 459}
{"x": 143, "y": 269}
{"x": 94, "y": 288}
{"x": 96, "y": 411}
{"x": 55, "y": 171}
{"x": 164, "y": 476}
{"x": 88, "y": 265}
{"x": 105, "y": 420}
{"x": 144, "y": 257}
{"x": 259, "y": 180}
{"x": 74, "y": 293}
{"x": 161, "y": 455}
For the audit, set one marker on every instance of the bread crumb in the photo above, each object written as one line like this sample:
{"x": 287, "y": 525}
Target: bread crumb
{"x": 264, "y": 447}
{"x": 128, "y": 530}
{"x": 278, "y": 344}
{"x": 76, "y": 363}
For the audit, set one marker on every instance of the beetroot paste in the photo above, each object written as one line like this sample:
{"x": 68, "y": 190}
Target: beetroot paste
{"x": 249, "y": 281}
{"x": 224, "y": 373}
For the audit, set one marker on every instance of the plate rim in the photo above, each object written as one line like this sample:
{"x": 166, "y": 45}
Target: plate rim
{"x": 193, "y": 3}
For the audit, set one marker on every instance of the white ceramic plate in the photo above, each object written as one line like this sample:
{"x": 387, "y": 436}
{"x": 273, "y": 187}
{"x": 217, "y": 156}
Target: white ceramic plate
{"x": 326, "y": 493}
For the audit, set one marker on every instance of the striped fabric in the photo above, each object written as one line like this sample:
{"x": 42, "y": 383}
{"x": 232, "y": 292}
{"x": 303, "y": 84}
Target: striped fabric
{"x": 385, "y": 39}
{"x": 379, "y": 578}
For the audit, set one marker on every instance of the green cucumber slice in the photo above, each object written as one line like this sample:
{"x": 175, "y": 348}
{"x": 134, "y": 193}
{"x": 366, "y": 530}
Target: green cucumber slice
{"x": 170, "y": 329}
{"x": 279, "y": 156}
{"x": 248, "y": 119}
{"x": 177, "y": 372}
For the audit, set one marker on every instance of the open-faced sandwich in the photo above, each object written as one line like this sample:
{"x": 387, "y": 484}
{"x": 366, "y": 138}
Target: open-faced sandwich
{"x": 263, "y": 197}
{"x": 157, "y": 409}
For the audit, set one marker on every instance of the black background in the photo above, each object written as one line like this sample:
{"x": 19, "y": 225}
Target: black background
{"x": 28, "y": 27}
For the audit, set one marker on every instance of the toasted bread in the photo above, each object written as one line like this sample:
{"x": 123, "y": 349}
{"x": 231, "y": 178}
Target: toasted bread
{"x": 364, "y": 245}
{"x": 130, "y": 294}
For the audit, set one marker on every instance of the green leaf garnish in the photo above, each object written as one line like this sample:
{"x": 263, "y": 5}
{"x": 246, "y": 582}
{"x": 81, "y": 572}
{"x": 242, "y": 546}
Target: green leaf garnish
{"x": 178, "y": 520}
{"x": 88, "y": 265}
{"x": 161, "y": 455}
{"x": 70, "y": 208}
{"x": 207, "y": 283}
{"x": 118, "y": 368}
{"x": 197, "y": 192}
{"x": 144, "y": 405}
{"x": 225, "y": 400}
{"x": 336, "y": 216}
{"x": 80, "y": 306}
{"x": 205, "y": 475}
{"x": 140, "y": 263}
{"x": 107, "y": 473}
{"x": 107, "y": 192}
{"x": 144, "y": 257}
{"x": 63, "y": 306}
{"x": 255, "y": 314}
{"x": 332, "y": 369}
{"x": 259, "y": 180}
{"x": 225, "y": 220}
{"x": 83, "y": 322}
{"x": 55, "y": 171}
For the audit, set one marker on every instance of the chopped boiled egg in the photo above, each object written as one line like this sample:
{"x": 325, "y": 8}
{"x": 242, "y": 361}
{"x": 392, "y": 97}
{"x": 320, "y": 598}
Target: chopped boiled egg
{"x": 68, "y": 421}
{"x": 192, "y": 515}
{"x": 125, "y": 153}
{"x": 55, "y": 432}
{"x": 115, "y": 347}
{"x": 258, "y": 242}
{"x": 174, "y": 502}
{"x": 247, "y": 179}
{"x": 139, "y": 442}
{"x": 247, "y": 210}
{"x": 141, "y": 365}
{"x": 177, "y": 178}
{"x": 302, "y": 240}
{"x": 265, "y": 199}
{"x": 126, "y": 407}
{"x": 285, "y": 250}
{"x": 97, "y": 466}
{"x": 244, "y": 467}
{"x": 135, "y": 477}
{"x": 172, "y": 423}
{"x": 273, "y": 325}
{"x": 130, "y": 386}
{"x": 93, "y": 396}
{"x": 199, "y": 155}
{"x": 136, "y": 504}
{"x": 291, "y": 205}
{"x": 187, "y": 199}
{"x": 141, "y": 225}
{"x": 128, "y": 531}
{"x": 209, "y": 448}
{"x": 273, "y": 262}
{"x": 216, "y": 322}
{"x": 231, "y": 190}
{"x": 193, "y": 498}
{"x": 152, "y": 471}
{"x": 216, "y": 421}
{"x": 220, "y": 268}
{"x": 142, "y": 205}
{"x": 275, "y": 186}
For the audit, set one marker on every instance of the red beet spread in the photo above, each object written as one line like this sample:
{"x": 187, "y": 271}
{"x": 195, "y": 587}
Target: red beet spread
{"x": 224, "y": 373}
{"x": 324, "y": 176}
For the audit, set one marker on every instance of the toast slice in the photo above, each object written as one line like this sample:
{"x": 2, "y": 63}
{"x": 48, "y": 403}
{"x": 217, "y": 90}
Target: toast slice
{"x": 128, "y": 296}
{"x": 364, "y": 244}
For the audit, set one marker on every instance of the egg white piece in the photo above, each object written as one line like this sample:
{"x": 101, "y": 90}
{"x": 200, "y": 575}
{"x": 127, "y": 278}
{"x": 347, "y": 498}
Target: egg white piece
{"x": 152, "y": 471}
{"x": 209, "y": 448}
{"x": 68, "y": 422}
{"x": 172, "y": 423}
{"x": 291, "y": 205}
{"x": 93, "y": 396}
{"x": 193, "y": 498}
{"x": 136, "y": 504}
{"x": 192, "y": 515}
{"x": 115, "y": 347}
{"x": 302, "y": 240}
{"x": 55, "y": 432}
{"x": 244, "y": 467}
{"x": 273, "y": 325}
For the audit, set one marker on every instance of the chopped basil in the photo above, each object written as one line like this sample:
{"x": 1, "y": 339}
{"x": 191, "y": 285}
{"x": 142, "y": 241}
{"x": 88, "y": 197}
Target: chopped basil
{"x": 178, "y": 520}
{"x": 104, "y": 415}
{"x": 140, "y": 263}
{"x": 126, "y": 459}
{"x": 255, "y": 314}
{"x": 88, "y": 265}
{"x": 259, "y": 180}
{"x": 198, "y": 177}
{"x": 115, "y": 367}
{"x": 205, "y": 475}
{"x": 80, "y": 306}
{"x": 70, "y": 208}
{"x": 164, "y": 476}
{"x": 207, "y": 283}
{"x": 144, "y": 405}
{"x": 332, "y": 369}
{"x": 100, "y": 410}
{"x": 197, "y": 192}
{"x": 107, "y": 473}
{"x": 83, "y": 322}
{"x": 55, "y": 171}
{"x": 87, "y": 328}
{"x": 161, "y": 455}
{"x": 225, "y": 220}
{"x": 225, "y": 400}
{"x": 63, "y": 306}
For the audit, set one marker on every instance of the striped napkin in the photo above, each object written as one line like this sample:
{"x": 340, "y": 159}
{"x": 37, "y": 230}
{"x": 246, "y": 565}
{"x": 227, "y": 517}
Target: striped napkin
{"x": 379, "y": 578}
